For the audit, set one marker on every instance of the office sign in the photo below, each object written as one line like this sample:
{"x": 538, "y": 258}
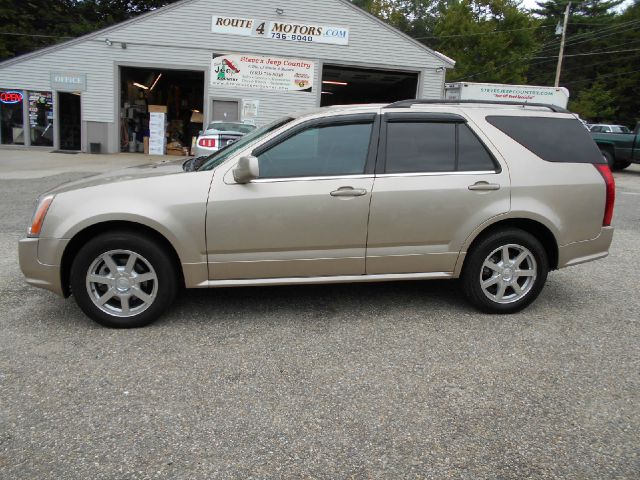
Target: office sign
{"x": 68, "y": 81}
{"x": 262, "y": 73}
{"x": 304, "y": 32}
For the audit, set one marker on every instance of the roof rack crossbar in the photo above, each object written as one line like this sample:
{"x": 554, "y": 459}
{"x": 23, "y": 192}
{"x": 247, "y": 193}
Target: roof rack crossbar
{"x": 409, "y": 103}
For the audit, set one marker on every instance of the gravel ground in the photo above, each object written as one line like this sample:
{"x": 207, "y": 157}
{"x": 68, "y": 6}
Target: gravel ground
{"x": 389, "y": 380}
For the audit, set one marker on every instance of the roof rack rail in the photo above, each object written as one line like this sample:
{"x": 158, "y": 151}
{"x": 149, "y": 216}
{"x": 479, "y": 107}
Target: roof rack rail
{"x": 409, "y": 103}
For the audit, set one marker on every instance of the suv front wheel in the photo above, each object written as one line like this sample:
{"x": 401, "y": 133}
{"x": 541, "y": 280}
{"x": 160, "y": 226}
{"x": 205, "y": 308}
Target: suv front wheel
{"x": 505, "y": 271}
{"x": 123, "y": 280}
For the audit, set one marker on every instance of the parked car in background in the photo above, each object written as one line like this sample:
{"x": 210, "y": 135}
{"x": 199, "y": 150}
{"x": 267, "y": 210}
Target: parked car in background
{"x": 219, "y": 135}
{"x": 619, "y": 149}
{"x": 601, "y": 128}
{"x": 413, "y": 190}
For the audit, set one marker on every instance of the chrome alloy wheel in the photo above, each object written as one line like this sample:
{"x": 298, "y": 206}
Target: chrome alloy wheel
{"x": 122, "y": 283}
{"x": 508, "y": 273}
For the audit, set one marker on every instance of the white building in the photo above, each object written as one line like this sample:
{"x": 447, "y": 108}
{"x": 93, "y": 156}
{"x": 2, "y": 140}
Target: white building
{"x": 205, "y": 60}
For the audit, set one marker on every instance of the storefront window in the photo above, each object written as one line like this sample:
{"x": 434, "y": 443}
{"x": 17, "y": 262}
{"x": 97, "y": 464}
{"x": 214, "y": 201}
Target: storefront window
{"x": 41, "y": 118}
{"x": 11, "y": 117}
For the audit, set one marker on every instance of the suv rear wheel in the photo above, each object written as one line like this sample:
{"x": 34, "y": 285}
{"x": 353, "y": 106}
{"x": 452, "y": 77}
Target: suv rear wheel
{"x": 123, "y": 280}
{"x": 505, "y": 271}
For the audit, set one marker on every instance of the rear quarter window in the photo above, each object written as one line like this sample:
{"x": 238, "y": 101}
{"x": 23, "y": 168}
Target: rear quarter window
{"x": 562, "y": 140}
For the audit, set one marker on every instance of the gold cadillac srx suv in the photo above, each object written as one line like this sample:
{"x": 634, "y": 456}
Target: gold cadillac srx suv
{"x": 496, "y": 195}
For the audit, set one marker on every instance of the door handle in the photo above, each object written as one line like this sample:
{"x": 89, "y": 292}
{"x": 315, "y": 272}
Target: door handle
{"x": 348, "y": 192}
{"x": 484, "y": 186}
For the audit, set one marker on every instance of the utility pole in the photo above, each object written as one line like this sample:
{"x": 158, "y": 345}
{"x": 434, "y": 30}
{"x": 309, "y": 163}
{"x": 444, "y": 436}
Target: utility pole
{"x": 564, "y": 33}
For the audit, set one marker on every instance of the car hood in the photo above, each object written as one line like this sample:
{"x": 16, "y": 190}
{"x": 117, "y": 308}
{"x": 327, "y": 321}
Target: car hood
{"x": 157, "y": 169}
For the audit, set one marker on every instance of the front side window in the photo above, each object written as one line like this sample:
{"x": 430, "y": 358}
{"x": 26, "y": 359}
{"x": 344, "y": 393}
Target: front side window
{"x": 231, "y": 149}
{"x": 417, "y": 147}
{"x": 319, "y": 151}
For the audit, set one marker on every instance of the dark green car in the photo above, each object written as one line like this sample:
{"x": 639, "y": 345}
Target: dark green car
{"x": 620, "y": 149}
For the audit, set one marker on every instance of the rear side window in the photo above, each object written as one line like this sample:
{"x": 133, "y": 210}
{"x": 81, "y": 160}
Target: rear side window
{"x": 421, "y": 147}
{"x": 552, "y": 139}
{"x": 472, "y": 154}
{"x": 415, "y": 147}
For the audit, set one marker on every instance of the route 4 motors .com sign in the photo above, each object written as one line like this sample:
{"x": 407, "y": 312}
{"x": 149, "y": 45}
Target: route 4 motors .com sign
{"x": 262, "y": 73}
{"x": 292, "y": 32}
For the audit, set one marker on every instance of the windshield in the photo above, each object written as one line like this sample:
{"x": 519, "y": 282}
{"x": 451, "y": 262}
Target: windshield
{"x": 231, "y": 127}
{"x": 223, "y": 154}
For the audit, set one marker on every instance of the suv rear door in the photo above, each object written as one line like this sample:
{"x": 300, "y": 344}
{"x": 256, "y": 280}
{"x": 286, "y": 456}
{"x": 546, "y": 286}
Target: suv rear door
{"x": 436, "y": 182}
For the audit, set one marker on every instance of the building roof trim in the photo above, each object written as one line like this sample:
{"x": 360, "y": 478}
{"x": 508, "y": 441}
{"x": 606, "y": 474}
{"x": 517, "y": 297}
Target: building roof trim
{"x": 450, "y": 63}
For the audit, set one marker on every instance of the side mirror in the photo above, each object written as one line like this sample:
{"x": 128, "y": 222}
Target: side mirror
{"x": 200, "y": 132}
{"x": 246, "y": 170}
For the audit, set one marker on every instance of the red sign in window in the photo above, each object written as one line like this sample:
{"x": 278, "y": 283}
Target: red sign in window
{"x": 10, "y": 97}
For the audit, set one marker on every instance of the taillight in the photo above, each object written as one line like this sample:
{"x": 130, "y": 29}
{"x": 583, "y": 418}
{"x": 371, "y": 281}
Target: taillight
{"x": 611, "y": 193}
{"x": 207, "y": 142}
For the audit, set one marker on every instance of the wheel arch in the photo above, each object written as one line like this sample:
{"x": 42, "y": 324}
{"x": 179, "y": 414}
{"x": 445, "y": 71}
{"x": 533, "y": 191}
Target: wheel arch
{"x": 609, "y": 147}
{"x": 539, "y": 230}
{"x": 91, "y": 231}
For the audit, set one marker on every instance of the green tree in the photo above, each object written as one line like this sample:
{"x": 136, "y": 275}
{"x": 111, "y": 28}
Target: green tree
{"x": 491, "y": 40}
{"x": 27, "y": 25}
{"x": 597, "y": 103}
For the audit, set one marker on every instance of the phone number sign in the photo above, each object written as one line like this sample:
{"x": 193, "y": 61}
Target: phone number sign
{"x": 292, "y": 32}
{"x": 262, "y": 73}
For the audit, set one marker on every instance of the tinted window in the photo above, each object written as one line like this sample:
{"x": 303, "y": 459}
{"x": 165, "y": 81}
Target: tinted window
{"x": 431, "y": 147}
{"x": 472, "y": 154}
{"x": 420, "y": 147}
{"x": 319, "y": 151}
{"x": 551, "y": 139}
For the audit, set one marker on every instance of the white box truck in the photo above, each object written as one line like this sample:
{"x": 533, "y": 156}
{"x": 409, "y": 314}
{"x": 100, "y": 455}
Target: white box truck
{"x": 500, "y": 92}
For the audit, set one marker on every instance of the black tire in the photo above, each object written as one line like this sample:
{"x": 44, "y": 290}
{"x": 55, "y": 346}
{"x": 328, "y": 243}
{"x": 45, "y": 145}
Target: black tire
{"x": 147, "y": 251}
{"x": 608, "y": 156}
{"x": 474, "y": 271}
{"x": 621, "y": 165}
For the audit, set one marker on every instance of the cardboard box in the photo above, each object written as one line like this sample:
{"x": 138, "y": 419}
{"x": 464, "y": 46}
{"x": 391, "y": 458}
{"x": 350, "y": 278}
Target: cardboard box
{"x": 157, "y": 109}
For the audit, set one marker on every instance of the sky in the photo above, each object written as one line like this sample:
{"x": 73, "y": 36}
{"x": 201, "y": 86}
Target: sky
{"x": 532, "y": 4}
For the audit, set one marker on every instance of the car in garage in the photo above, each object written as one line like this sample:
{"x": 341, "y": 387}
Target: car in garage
{"x": 218, "y": 135}
{"x": 412, "y": 190}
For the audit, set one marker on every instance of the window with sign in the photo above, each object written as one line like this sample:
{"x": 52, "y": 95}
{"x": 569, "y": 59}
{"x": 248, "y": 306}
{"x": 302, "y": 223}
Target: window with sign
{"x": 41, "y": 118}
{"x": 11, "y": 117}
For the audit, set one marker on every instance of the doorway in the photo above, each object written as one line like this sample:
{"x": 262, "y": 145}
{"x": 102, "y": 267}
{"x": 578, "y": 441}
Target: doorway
{"x": 178, "y": 93}
{"x": 349, "y": 85}
{"x": 69, "y": 112}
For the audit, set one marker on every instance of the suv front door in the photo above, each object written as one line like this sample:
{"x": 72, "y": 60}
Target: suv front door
{"x": 306, "y": 215}
{"x": 436, "y": 183}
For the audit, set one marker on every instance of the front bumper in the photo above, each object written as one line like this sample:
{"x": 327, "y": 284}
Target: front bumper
{"x": 38, "y": 274}
{"x": 586, "y": 251}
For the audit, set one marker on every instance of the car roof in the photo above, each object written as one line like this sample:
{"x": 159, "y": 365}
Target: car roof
{"x": 430, "y": 106}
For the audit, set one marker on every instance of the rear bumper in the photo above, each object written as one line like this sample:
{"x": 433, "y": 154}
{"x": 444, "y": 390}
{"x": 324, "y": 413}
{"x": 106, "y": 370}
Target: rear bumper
{"x": 199, "y": 151}
{"x": 38, "y": 274}
{"x": 586, "y": 251}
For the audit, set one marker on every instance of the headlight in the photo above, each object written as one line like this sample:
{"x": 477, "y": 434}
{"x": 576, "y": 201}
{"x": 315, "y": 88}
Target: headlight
{"x": 38, "y": 215}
